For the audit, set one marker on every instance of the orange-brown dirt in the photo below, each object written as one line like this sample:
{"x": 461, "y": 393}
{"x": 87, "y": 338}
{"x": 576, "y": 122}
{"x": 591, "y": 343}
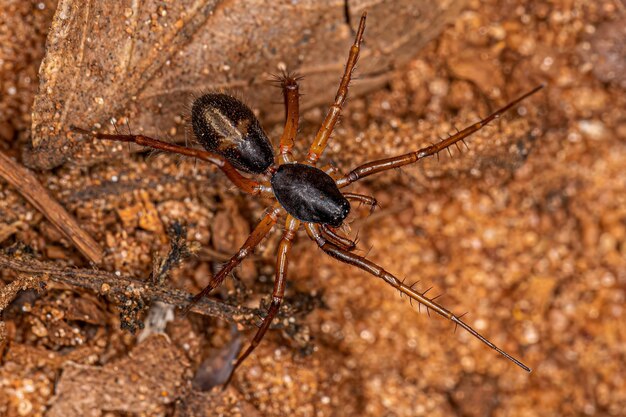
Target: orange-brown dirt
{"x": 526, "y": 231}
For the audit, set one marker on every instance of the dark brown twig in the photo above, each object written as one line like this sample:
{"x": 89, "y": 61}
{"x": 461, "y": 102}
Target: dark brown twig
{"x": 30, "y": 188}
{"x": 106, "y": 283}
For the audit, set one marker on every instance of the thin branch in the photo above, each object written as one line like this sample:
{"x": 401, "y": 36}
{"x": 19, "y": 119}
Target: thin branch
{"x": 30, "y": 188}
{"x": 119, "y": 287}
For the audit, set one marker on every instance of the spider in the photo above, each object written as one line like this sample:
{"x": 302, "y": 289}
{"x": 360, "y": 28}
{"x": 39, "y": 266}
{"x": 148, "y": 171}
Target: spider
{"x": 235, "y": 142}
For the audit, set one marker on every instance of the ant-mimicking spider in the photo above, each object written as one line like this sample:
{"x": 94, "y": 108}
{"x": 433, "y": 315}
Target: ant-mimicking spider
{"x": 235, "y": 141}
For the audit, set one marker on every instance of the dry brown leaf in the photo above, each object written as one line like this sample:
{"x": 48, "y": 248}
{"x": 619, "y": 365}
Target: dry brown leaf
{"x": 145, "y": 60}
{"x": 142, "y": 382}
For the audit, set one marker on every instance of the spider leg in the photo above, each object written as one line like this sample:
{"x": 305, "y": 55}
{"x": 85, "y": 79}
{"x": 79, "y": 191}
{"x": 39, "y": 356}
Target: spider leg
{"x": 321, "y": 139}
{"x": 381, "y": 165}
{"x": 258, "y": 234}
{"x": 377, "y": 271}
{"x": 245, "y": 184}
{"x": 291, "y": 227}
{"x": 289, "y": 85}
{"x": 336, "y": 239}
{"x": 363, "y": 199}
{"x": 330, "y": 170}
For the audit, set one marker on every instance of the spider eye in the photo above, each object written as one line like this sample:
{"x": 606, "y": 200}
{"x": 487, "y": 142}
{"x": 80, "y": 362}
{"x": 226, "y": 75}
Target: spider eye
{"x": 224, "y": 125}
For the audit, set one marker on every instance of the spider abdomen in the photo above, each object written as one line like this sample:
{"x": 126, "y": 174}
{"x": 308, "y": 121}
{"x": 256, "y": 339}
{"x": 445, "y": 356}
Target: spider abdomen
{"x": 224, "y": 125}
{"x": 309, "y": 194}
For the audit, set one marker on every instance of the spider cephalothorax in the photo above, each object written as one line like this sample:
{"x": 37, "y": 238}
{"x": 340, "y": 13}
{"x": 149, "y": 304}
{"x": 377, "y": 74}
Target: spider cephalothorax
{"x": 304, "y": 194}
{"x": 309, "y": 194}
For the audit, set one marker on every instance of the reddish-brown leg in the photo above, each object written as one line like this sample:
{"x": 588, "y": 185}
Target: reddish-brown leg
{"x": 330, "y": 170}
{"x": 341, "y": 241}
{"x": 372, "y": 268}
{"x": 291, "y": 227}
{"x": 258, "y": 234}
{"x": 321, "y": 139}
{"x": 363, "y": 199}
{"x": 245, "y": 184}
{"x": 386, "y": 164}
{"x": 291, "y": 94}
{"x": 336, "y": 239}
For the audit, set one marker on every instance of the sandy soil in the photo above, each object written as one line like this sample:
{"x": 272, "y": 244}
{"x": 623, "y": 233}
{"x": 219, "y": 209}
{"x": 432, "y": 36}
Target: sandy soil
{"x": 526, "y": 231}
